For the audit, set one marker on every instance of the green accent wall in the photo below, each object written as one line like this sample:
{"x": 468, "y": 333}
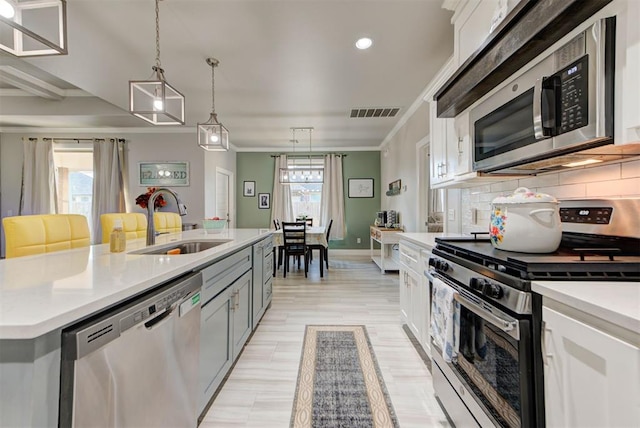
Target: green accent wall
{"x": 359, "y": 212}
{"x": 256, "y": 167}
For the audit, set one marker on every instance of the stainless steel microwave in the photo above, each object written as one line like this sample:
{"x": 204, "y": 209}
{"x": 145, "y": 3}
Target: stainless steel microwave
{"x": 562, "y": 104}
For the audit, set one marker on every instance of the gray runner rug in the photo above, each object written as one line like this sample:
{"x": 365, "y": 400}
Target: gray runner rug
{"x": 339, "y": 382}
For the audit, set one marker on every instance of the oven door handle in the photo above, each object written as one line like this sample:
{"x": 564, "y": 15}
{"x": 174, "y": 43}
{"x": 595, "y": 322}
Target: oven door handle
{"x": 502, "y": 324}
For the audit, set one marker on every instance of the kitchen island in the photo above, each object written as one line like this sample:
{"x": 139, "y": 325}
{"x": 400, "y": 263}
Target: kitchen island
{"x": 42, "y": 294}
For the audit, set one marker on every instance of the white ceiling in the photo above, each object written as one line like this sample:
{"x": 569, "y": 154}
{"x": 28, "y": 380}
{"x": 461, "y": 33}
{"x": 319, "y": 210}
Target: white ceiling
{"x": 283, "y": 64}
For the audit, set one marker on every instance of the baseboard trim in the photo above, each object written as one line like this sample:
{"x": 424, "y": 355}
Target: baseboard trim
{"x": 350, "y": 251}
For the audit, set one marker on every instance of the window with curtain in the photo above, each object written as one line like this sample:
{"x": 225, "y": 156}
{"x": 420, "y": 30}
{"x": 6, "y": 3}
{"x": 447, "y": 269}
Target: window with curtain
{"x": 306, "y": 198}
{"x": 74, "y": 178}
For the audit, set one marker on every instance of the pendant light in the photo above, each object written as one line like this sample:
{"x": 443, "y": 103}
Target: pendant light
{"x": 301, "y": 170}
{"x": 155, "y": 100}
{"x": 212, "y": 135}
{"x": 33, "y": 28}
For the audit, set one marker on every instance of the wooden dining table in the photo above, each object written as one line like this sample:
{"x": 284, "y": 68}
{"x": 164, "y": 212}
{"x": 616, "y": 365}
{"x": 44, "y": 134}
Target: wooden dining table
{"x": 314, "y": 236}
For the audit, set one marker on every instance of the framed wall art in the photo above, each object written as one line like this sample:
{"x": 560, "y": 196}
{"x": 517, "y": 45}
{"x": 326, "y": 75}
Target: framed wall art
{"x": 249, "y": 188}
{"x": 154, "y": 174}
{"x": 264, "y": 201}
{"x": 361, "y": 187}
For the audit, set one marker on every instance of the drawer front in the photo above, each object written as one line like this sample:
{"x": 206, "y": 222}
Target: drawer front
{"x": 410, "y": 257}
{"x": 268, "y": 290}
{"x": 267, "y": 246}
{"x": 267, "y": 272}
{"x": 223, "y": 273}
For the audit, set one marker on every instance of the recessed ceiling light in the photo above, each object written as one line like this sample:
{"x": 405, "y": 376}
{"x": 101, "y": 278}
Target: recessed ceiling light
{"x": 6, "y": 9}
{"x": 364, "y": 43}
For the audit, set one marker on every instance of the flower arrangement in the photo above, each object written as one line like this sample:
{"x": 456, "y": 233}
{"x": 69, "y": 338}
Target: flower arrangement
{"x": 143, "y": 199}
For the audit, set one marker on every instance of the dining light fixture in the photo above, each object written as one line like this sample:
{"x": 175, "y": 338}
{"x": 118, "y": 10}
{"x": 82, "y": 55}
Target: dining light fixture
{"x": 33, "y": 28}
{"x": 212, "y": 135}
{"x": 301, "y": 170}
{"x": 155, "y": 100}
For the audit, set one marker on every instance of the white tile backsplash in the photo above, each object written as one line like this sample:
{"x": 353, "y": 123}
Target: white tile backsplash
{"x": 566, "y": 191}
{"x": 624, "y": 187}
{"x": 589, "y": 175}
{"x": 541, "y": 180}
{"x": 504, "y": 186}
{"x": 630, "y": 169}
{"x": 611, "y": 180}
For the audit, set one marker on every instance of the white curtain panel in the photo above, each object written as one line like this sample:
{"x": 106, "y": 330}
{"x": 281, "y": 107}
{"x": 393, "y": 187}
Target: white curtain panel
{"x": 281, "y": 206}
{"x": 108, "y": 181}
{"x": 332, "y": 201}
{"x": 38, "y": 194}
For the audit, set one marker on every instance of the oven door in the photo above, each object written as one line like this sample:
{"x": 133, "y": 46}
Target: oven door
{"x": 492, "y": 372}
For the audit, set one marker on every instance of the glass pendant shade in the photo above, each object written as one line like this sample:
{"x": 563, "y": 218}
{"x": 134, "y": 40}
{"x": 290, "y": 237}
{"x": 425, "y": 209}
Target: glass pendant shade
{"x": 304, "y": 170}
{"x": 212, "y": 135}
{"x": 295, "y": 175}
{"x": 34, "y": 27}
{"x": 156, "y": 101}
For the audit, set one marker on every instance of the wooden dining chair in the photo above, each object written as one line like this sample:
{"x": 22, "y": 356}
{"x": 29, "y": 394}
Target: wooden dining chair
{"x": 276, "y": 224}
{"x": 308, "y": 221}
{"x": 294, "y": 237}
{"x": 321, "y": 248}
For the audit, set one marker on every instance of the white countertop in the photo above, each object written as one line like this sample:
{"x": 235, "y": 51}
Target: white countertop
{"x": 44, "y": 292}
{"x": 427, "y": 240}
{"x": 615, "y": 302}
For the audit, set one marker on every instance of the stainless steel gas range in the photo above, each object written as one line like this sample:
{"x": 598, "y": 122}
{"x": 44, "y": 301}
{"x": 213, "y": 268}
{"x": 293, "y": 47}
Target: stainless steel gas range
{"x": 496, "y": 377}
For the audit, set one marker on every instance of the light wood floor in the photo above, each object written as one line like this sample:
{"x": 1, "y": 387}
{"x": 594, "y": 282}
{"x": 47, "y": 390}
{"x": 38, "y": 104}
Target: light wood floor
{"x": 261, "y": 387}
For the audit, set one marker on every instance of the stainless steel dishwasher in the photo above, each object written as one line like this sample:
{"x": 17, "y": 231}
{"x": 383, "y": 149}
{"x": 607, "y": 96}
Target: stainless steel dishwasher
{"x": 135, "y": 365}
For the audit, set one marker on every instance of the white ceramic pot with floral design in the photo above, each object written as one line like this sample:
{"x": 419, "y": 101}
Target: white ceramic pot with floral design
{"x": 526, "y": 222}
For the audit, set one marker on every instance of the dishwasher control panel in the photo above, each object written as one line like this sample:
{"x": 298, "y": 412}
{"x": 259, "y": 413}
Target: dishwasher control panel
{"x": 90, "y": 335}
{"x": 154, "y": 306}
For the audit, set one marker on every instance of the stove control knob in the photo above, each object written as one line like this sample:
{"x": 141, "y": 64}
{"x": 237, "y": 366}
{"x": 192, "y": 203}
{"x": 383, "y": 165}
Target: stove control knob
{"x": 477, "y": 284}
{"x": 444, "y": 266}
{"x": 493, "y": 290}
{"x": 502, "y": 268}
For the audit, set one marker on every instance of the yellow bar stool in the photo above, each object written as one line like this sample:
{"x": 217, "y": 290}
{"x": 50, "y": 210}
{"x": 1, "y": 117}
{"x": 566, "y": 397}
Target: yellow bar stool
{"x": 167, "y": 222}
{"x": 133, "y": 224}
{"x": 37, "y": 234}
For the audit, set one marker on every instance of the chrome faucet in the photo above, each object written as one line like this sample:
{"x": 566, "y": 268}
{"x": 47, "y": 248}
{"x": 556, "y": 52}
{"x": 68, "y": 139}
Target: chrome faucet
{"x": 151, "y": 229}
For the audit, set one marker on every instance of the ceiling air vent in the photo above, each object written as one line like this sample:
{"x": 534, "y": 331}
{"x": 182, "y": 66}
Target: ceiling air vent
{"x": 374, "y": 112}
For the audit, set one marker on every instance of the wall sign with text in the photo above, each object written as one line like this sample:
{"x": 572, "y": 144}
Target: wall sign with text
{"x": 163, "y": 173}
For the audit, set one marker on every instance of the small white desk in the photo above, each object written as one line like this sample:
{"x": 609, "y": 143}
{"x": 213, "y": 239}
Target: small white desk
{"x": 386, "y": 238}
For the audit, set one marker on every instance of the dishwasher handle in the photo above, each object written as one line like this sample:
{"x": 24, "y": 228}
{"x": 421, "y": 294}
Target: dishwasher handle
{"x": 148, "y": 309}
{"x": 149, "y": 325}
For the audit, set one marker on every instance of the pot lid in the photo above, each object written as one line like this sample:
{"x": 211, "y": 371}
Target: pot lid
{"x": 522, "y": 195}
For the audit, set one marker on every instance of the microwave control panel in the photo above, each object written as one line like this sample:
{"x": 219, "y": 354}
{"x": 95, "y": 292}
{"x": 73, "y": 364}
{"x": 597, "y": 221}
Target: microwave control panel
{"x": 574, "y": 95}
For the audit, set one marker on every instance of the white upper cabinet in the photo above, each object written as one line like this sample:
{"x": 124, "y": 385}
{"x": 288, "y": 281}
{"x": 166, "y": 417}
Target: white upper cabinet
{"x": 473, "y": 21}
{"x": 631, "y": 82}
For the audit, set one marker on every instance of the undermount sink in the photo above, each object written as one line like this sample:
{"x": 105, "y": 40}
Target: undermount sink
{"x": 184, "y": 247}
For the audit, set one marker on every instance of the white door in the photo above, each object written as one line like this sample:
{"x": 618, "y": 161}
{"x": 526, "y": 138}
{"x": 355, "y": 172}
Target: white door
{"x": 591, "y": 379}
{"x": 224, "y": 196}
{"x": 422, "y": 159}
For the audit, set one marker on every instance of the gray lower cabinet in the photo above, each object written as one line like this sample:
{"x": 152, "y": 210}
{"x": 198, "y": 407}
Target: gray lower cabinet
{"x": 225, "y": 323}
{"x": 241, "y": 310}
{"x": 262, "y": 277}
{"x": 216, "y": 353}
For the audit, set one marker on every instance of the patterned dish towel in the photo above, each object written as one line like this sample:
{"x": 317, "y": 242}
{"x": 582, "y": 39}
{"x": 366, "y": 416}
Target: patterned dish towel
{"x": 445, "y": 320}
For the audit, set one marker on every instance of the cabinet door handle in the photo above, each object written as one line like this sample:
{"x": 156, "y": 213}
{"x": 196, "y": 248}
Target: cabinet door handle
{"x": 543, "y": 343}
{"x": 237, "y": 299}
